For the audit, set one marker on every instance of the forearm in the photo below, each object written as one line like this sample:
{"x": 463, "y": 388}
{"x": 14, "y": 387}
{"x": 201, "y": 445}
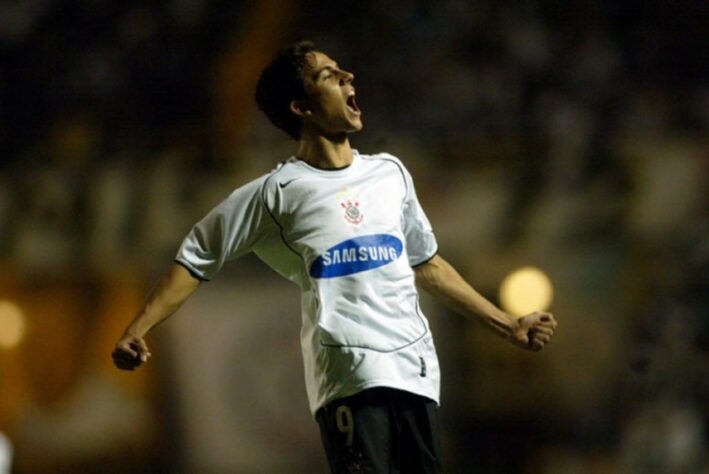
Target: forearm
{"x": 443, "y": 282}
{"x": 171, "y": 291}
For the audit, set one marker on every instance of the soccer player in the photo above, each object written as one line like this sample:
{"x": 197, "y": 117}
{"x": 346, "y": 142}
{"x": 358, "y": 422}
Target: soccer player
{"x": 348, "y": 229}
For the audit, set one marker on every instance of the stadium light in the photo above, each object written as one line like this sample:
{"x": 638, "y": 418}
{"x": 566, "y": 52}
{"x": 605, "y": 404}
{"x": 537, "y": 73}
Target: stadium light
{"x": 12, "y": 324}
{"x": 526, "y": 290}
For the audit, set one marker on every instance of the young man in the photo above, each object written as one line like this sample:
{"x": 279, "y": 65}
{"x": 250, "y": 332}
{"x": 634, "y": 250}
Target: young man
{"x": 348, "y": 229}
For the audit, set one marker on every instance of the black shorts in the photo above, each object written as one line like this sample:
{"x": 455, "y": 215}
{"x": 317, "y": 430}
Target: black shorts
{"x": 381, "y": 430}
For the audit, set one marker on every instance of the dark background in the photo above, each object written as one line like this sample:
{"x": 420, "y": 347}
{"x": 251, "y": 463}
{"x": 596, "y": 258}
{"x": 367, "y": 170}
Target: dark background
{"x": 569, "y": 136}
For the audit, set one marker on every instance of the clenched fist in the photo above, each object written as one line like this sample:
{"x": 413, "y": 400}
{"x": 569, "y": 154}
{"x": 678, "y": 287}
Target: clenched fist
{"x": 534, "y": 331}
{"x": 130, "y": 352}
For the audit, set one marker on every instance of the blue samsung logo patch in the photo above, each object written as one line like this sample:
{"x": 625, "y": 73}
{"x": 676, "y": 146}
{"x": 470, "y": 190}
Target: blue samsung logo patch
{"x": 357, "y": 255}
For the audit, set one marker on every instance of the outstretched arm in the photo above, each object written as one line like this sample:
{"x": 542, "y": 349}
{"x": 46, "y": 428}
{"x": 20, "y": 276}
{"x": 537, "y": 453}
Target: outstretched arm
{"x": 441, "y": 280}
{"x": 172, "y": 290}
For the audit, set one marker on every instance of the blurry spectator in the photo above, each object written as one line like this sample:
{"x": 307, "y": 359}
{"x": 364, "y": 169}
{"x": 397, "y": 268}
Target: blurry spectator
{"x": 5, "y": 454}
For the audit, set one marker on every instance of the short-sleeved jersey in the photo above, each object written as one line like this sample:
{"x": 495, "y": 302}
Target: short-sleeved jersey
{"x": 349, "y": 239}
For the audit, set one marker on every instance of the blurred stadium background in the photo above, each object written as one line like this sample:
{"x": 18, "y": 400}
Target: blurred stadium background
{"x": 570, "y": 136}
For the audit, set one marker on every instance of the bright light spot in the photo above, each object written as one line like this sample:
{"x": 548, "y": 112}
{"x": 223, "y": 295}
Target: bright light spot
{"x": 526, "y": 290}
{"x": 12, "y": 325}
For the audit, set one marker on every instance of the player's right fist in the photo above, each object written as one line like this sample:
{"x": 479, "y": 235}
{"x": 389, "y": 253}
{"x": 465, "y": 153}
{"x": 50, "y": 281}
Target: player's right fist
{"x": 130, "y": 352}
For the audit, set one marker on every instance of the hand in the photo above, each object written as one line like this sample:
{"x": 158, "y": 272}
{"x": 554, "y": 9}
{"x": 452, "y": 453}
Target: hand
{"x": 130, "y": 352}
{"x": 534, "y": 331}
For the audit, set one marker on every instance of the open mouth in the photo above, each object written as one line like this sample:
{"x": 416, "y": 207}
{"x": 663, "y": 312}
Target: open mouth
{"x": 352, "y": 105}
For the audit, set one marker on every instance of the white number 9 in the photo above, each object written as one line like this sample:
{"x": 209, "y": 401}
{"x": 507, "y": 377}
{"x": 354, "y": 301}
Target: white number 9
{"x": 345, "y": 422}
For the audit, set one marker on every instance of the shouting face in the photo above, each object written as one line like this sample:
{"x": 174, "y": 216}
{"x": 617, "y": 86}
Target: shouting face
{"x": 329, "y": 106}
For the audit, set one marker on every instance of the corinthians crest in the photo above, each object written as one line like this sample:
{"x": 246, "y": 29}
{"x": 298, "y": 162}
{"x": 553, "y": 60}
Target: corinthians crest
{"x": 352, "y": 213}
{"x": 350, "y": 203}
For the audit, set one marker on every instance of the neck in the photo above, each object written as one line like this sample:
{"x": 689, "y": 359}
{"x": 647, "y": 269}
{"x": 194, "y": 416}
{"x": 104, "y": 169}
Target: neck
{"x": 325, "y": 152}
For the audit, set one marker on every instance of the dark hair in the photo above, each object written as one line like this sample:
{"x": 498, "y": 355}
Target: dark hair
{"x": 282, "y": 82}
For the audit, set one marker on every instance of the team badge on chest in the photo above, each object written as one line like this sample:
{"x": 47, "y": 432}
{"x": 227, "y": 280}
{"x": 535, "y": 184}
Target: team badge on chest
{"x": 352, "y": 213}
{"x": 350, "y": 203}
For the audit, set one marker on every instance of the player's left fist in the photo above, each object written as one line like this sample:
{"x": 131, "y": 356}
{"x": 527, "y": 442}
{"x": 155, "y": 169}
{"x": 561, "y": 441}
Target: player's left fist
{"x": 534, "y": 330}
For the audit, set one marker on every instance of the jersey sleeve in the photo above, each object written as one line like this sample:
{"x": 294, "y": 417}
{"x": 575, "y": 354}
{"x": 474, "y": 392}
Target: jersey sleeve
{"x": 421, "y": 244}
{"x": 231, "y": 229}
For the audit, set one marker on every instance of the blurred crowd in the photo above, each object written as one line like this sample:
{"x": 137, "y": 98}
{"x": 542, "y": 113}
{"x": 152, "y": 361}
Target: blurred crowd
{"x": 571, "y": 133}
{"x": 110, "y": 111}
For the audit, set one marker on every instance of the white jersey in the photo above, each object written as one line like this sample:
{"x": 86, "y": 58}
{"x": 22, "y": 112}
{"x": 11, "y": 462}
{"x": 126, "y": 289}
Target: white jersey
{"x": 349, "y": 239}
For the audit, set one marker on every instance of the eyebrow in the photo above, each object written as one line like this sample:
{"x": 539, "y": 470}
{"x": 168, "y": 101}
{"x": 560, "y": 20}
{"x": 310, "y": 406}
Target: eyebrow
{"x": 328, "y": 67}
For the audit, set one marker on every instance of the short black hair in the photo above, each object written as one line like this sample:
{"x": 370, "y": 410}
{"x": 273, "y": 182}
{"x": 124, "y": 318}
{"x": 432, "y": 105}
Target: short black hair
{"x": 282, "y": 82}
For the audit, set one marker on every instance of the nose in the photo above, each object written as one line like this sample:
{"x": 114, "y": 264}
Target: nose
{"x": 346, "y": 77}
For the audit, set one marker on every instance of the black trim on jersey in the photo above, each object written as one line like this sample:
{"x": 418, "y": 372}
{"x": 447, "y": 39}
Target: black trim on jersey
{"x": 406, "y": 186}
{"x": 192, "y": 271}
{"x": 398, "y": 165}
{"x": 425, "y": 261}
{"x": 418, "y": 313}
{"x": 263, "y": 203}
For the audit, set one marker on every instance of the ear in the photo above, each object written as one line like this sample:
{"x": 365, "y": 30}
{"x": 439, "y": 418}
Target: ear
{"x": 299, "y": 108}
